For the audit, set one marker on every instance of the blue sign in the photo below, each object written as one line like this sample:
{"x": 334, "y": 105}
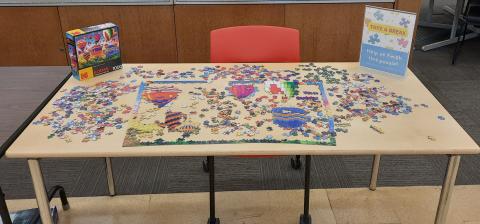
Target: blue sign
{"x": 387, "y": 39}
{"x": 383, "y": 59}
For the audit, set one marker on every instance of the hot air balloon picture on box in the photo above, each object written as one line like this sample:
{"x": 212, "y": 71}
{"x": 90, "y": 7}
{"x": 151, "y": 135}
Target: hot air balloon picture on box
{"x": 94, "y": 50}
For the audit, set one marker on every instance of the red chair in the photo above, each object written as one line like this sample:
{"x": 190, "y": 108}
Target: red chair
{"x": 243, "y": 44}
{"x": 254, "y": 44}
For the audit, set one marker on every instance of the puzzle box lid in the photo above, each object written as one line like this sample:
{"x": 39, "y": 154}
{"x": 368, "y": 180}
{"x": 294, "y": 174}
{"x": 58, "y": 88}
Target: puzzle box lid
{"x": 77, "y": 32}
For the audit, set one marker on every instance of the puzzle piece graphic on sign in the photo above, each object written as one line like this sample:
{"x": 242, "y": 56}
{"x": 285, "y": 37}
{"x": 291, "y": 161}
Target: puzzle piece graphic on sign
{"x": 402, "y": 42}
{"x": 378, "y": 15}
{"x": 404, "y": 22}
{"x": 374, "y": 39}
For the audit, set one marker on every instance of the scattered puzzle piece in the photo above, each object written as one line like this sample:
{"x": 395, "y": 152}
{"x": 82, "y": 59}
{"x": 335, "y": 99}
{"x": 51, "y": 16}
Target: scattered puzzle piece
{"x": 377, "y": 129}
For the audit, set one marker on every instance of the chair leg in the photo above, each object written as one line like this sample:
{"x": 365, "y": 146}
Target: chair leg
{"x": 4, "y": 214}
{"x": 305, "y": 218}
{"x": 205, "y": 166}
{"x": 296, "y": 163}
{"x": 211, "y": 167}
{"x": 61, "y": 193}
{"x": 464, "y": 34}
{"x": 459, "y": 45}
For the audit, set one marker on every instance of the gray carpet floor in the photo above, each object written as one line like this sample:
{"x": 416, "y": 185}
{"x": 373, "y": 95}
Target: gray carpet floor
{"x": 456, "y": 87}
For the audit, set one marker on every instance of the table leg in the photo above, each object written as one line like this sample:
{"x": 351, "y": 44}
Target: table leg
{"x": 110, "y": 180}
{"x": 4, "y": 214}
{"x": 447, "y": 189}
{"x": 305, "y": 218}
{"x": 453, "y": 28}
{"x": 40, "y": 191}
{"x": 447, "y": 42}
{"x": 431, "y": 5}
{"x": 428, "y": 22}
{"x": 375, "y": 168}
{"x": 211, "y": 168}
{"x": 456, "y": 17}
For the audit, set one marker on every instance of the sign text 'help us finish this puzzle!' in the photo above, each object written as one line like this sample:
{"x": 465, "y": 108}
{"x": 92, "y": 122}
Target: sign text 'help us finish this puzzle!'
{"x": 387, "y": 39}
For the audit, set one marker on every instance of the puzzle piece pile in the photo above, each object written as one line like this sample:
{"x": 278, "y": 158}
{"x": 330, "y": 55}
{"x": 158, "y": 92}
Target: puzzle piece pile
{"x": 88, "y": 111}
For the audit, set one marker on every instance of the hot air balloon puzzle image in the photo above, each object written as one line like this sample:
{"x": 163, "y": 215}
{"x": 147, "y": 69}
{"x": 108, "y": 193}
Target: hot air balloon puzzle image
{"x": 230, "y": 111}
{"x": 94, "y": 50}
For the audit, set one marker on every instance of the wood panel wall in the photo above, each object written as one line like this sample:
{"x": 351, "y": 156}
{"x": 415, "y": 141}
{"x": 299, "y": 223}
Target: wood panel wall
{"x": 329, "y": 32}
{"x": 410, "y": 6}
{"x": 30, "y": 36}
{"x": 181, "y": 33}
{"x": 147, "y": 33}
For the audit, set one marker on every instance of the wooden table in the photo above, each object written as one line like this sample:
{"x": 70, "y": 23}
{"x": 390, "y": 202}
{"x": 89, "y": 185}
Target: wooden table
{"x": 338, "y": 109}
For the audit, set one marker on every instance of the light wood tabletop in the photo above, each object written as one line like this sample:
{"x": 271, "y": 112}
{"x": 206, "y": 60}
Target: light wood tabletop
{"x": 372, "y": 113}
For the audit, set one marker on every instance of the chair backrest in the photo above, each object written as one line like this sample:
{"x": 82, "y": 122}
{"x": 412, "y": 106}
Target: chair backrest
{"x": 254, "y": 44}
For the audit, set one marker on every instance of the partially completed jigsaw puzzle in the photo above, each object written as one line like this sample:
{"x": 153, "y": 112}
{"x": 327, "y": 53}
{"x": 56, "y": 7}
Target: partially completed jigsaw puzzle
{"x": 231, "y": 110}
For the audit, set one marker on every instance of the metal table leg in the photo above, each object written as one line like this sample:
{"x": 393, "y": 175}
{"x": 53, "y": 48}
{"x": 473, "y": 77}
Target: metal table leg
{"x": 110, "y": 180}
{"x": 447, "y": 189}
{"x": 435, "y": 25}
{"x": 453, "y": 28}
{"x": 448, "y": 42}
{"x": 40, "y": 191}
{"x": 211, "y": 168}
{"x": 456, "y": 16}
{"x": 374, "y": 177}
{"x": 4, "y": 214}
{"x": 431, "y": 5}
{"x": 305, "y": 218}
{"x": 429, "y": 14}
